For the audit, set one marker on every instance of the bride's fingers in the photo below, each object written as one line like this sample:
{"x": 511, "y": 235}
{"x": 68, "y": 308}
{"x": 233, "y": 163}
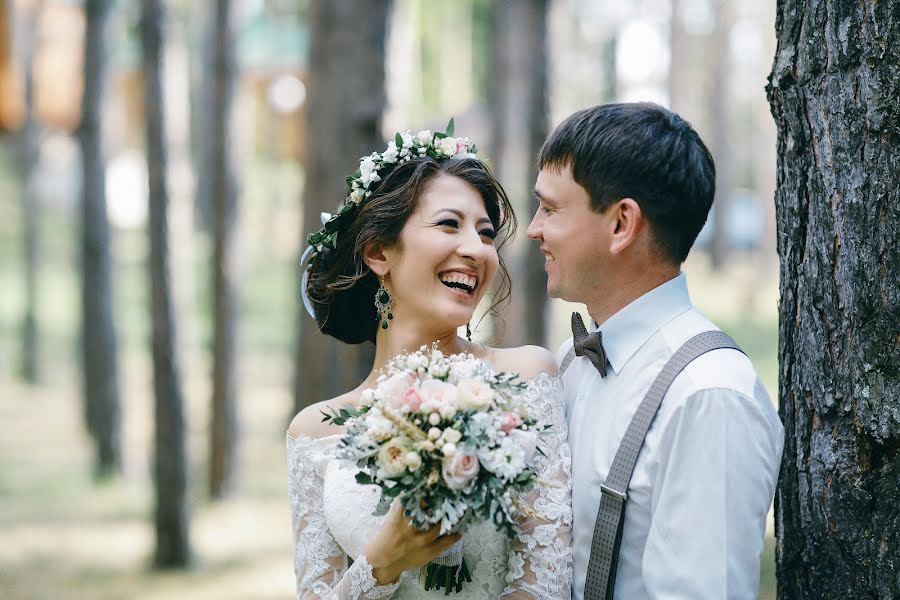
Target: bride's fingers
{"x": 445, "y": 541}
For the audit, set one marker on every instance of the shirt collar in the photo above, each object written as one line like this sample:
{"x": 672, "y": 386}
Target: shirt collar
{"x": 626, "y": 331}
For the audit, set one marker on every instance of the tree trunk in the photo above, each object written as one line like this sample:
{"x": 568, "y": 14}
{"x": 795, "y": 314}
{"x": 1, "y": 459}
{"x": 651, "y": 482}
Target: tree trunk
{"x": 833, "y": 92}
{"x": 722, "y": 139}
{"x": 170, "y": 465}
{"x": 343, "y": 110}
{"x": 29, "y": 145}
{"x": 98, "y": 339}
{"x": 223, "y": 430}
{"x": 519, "y": 114}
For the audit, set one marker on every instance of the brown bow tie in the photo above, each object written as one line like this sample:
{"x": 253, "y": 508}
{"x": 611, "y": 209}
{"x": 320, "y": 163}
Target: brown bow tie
{"x": 589, "y": 344}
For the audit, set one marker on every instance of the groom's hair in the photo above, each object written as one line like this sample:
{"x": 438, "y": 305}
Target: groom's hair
{"x": 644, "y": 152}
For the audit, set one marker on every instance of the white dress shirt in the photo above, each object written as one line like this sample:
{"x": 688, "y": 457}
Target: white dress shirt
{"x": 704, "y": 480}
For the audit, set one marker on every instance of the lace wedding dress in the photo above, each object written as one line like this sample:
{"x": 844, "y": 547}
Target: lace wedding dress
{"x": 332, "y": 521}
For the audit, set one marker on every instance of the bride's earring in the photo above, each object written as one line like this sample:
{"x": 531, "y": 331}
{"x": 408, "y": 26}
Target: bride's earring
{"x": 383, "y": 304}
{"x": 468, "y": 332}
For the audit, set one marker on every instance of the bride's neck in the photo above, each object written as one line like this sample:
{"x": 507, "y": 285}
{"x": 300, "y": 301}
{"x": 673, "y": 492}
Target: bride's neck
{"x": 399, "y": 338}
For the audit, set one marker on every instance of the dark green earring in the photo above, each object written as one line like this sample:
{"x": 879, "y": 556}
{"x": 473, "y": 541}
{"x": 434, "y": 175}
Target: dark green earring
{"x": 383, "y": 304}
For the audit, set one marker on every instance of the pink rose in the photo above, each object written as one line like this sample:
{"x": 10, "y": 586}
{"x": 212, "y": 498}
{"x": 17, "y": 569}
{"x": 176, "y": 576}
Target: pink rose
{"x": 411, "y": 399}
{"x": 392, "y": 388}
{"x": 436, "y": 395}
{"x": 459, "y": 470}
{"x": 460, "y": 145}
{"x": 510, "y": 422}
{"x": 527, "y": 440}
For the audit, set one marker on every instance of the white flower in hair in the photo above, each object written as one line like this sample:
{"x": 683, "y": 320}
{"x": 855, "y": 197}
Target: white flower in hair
{"x": 407, "y": 139}
{"x": 424, "y": 137}
{"x": 447, "y": 145}
{"x": 368, "y": 171}
{"x": 390, "y": 155}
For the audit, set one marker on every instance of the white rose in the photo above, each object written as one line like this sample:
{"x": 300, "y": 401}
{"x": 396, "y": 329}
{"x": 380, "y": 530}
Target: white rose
{"x": 407, "y": 139}
{"x": 424, "y": 137}
{"x": 368, "y": 171}
{"x": 447, "y": 145}
{"x": 474, "y": 395}
{"x": 390, "y": 155}
{"x": 392, "y": 458}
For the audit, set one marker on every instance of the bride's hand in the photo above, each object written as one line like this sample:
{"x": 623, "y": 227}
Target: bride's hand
{"x": 398, "y": 546}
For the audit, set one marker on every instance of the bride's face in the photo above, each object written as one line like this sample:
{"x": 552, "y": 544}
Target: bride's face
{"x": 446, "y": 258}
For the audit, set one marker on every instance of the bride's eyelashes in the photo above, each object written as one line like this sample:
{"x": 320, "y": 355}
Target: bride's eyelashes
{"x": 487, "y": 232}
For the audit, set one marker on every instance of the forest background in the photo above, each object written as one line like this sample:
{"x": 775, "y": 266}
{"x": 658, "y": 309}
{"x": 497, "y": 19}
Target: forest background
{"x": 194, "y": 128}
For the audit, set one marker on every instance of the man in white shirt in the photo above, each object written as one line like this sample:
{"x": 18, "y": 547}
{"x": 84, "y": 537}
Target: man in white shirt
{"x": 624, "y": 189}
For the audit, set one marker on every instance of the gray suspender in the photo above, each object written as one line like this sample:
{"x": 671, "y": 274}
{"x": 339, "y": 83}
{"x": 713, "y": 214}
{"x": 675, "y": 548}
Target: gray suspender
{"x": 601, "y": 571}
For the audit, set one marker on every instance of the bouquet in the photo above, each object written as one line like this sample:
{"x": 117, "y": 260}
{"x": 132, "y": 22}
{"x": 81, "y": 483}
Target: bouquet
{"x": 448, "y": 437}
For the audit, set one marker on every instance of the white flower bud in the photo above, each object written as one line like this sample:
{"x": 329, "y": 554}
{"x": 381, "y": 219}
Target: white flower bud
{"x": 434, "y": 418}
{"x": 434, "y": 433}
{"x": 413, "y": 460}
{"x": 448, "y": 449}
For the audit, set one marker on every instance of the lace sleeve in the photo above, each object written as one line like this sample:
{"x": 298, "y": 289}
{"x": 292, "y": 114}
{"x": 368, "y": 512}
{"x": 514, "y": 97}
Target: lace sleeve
{"x": 540, "y": 558}
{"x": 319, "y": 563}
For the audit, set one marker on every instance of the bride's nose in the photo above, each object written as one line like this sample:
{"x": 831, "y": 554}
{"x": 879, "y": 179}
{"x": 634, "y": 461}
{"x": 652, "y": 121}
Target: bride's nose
{"x": 472, "y": 246}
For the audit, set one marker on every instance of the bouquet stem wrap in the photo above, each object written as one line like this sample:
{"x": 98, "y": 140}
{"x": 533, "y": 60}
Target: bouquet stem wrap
{"x": 448, "y": 571}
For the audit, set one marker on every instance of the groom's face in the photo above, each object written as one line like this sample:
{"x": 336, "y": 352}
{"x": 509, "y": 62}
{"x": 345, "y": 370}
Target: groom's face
{"x": 573, "y": 238}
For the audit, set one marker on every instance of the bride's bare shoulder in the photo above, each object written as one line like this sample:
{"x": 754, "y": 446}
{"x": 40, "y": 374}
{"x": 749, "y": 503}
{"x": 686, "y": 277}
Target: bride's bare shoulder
{"x": 527, "y": 361}
{"x": 308, "y": 422}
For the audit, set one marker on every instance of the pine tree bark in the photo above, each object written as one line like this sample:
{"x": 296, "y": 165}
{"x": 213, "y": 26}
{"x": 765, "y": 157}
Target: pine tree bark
{"x": 98, "y": 338}
{"x": 520, "y": 114}
{"x": 223, "y": 439}
{"x": 343, "y": 113}
{"x": 170, "y": 464}
{"x": 833, "y": 92}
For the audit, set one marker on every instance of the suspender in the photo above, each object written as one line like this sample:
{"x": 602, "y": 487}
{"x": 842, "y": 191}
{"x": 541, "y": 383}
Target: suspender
{"x": 601, "y": 571}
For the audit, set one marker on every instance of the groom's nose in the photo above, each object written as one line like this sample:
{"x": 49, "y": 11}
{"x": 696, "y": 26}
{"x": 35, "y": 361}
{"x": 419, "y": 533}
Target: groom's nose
{"x": 535, "y": 228}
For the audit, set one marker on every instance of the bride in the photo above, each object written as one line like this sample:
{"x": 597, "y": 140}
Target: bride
{"x": 403, "y": 264}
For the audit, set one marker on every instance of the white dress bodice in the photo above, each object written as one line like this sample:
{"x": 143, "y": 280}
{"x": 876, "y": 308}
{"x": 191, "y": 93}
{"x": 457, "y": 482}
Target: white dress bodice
{"x": 333, "y": 520}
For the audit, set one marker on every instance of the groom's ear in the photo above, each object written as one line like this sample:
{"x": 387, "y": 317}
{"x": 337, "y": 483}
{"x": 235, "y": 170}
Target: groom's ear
{"x": 376, "y": 258}
{"x": 627, "y": 221}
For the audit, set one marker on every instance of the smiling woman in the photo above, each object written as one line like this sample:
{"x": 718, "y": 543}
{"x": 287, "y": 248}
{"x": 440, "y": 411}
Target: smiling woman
{"x": 446, "y": 215}
{"x": 404, "y": 263}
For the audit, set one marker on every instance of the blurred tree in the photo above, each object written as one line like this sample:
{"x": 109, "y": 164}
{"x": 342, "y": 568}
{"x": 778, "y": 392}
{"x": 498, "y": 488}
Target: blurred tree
{"x": 172, "y": 521}
{"x": 29, "y": 146}
{"x": 677, "y": 57}
{"x": 722, "y": 138}
{"x": 833, "y": 91}
{"x": 343, "y": 110}
{"x": 519, "y": 117}
{"x": 223, "y": 430}
{"x": 98, "y": 338}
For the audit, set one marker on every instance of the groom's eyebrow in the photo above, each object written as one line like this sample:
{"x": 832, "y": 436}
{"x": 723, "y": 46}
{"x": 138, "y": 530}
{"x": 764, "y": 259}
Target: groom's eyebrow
{"x": 540, "y": 198}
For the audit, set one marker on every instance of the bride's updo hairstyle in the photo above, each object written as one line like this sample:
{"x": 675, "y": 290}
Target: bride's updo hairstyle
{"x": 341, "y": 286}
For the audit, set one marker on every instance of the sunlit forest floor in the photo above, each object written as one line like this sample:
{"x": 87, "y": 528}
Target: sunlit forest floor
{"x": 66, "y": 536}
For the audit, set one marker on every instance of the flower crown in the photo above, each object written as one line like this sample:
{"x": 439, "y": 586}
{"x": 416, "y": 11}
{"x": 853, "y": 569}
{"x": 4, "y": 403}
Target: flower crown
{"x": 403, "y": 148}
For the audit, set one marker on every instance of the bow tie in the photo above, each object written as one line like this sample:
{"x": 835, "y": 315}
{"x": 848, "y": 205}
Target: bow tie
{"x": 589, "y": 344}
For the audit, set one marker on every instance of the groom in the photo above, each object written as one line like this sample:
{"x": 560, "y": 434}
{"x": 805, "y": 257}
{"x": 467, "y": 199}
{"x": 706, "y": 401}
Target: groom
{"x": 624, "y": 189}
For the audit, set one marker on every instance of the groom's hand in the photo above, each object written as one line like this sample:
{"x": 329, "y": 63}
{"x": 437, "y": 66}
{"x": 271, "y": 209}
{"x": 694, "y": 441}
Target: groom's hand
{"x": 399, "y": 546}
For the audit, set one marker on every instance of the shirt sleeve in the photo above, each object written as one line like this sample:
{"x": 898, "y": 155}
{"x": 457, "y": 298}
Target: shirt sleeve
{"x": 540, "y": 557}
{"x": 718, "y": 465}
{"x": 320, "y": 565}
